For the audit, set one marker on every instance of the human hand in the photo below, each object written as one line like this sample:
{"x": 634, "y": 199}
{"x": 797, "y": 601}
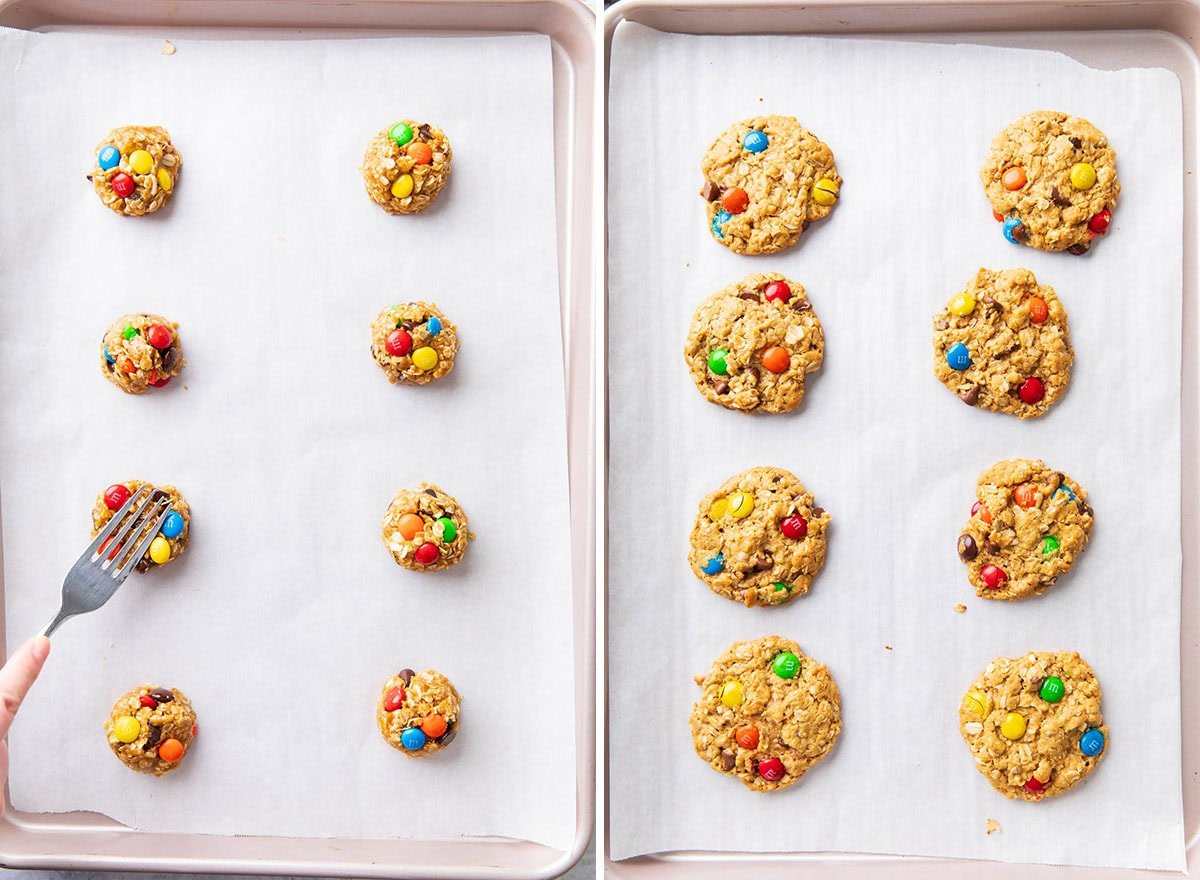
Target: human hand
{"x": 16, "y": 677}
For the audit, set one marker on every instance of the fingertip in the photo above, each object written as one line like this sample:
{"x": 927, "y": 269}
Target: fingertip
{"x": 39, "y": 647}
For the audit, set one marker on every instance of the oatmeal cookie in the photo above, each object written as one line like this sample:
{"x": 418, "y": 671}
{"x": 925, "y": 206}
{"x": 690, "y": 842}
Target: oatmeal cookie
{"x": 173, "y": 535}
{"x": 136, "y": 169}
{"x": 767, "y": 713}
{"x": 413, "y": 343}
{"x": 151, "y": 728}
{"x": 759, "y": 539}
{"x": 765, "y": 180}
{"x": 1002, "y": 344}
{"x": 425, "y": 529}
{"x": 1033, "y": 723}
{"x": 1052, "y": 181}
{"x": 418, "y": 712}
{"x": 140, "y": 351}
{"x": 1026, "y": 528}
{"x": 406, "y": 166}
{"x": 752, "y": 343}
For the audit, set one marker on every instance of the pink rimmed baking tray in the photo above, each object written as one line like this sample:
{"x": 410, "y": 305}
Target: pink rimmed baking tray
{"x": 93, "y": 842}
{"x": 1105, "y": 34}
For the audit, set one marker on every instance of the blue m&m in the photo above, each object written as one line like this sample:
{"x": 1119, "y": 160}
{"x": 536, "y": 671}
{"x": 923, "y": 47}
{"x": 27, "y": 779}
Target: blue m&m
{"x": 108, "y": 357}
{"x": 108, "y": 157}
{"x": 1014, "y": 230}
{"x": 958, "y": 357}
{"x": 1092, "y": 742}
{"x": 1066, "y": 490}
{"x": 413, "y": 738}
{"x": 721, "y": 218}
{"x": 172, "y": 526}
{"x": 716, "y": 565}
{"x": 754, "y": 141}
{"x": 434, "y": 326}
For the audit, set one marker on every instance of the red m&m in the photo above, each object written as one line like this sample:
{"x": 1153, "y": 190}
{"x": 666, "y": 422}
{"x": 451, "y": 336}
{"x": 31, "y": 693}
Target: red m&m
{"x": 399, "y": 342}
{"x": 123, "y": 185}
{"x": 115, "y": 496}
{"x": 1031, "y": 390}
{"x": 777, "y": 290}
{"x": 771, "y": 769}
{"x": 427, "y": 554}
{"x": 794, "y": 527}
{"x": 993, "y": 576}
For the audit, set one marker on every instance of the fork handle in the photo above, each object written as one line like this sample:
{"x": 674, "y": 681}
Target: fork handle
{"x": 56, "y": 622}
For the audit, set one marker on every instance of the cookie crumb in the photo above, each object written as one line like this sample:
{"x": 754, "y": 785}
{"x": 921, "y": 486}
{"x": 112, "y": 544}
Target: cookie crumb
{"x": 168, "y": 48}
{"x": 699, "y": 679}
{"x": 992, "y": 826}
{"x": 887, "y": 647}
{"x": 960, "y": 608}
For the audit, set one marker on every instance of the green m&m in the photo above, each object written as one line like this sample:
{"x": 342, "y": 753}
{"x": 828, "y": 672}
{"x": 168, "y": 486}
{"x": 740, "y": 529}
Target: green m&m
{"x": 448, "y": 530}
{"x": 401, "y": 133}
{"x": 1050, "y": 544}
{"x": 786, "y": 664}
{"x": 716, "y": 361}
{"x": 1052, "y": 689}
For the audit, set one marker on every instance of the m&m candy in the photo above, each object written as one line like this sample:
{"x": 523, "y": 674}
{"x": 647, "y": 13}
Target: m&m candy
{"x": 116, "y": 495}
{"x": 771, "y": 769}
{"x": 754, "y": 142}
{"x": 108, "y": 157}
{"x": 717, "y": 362}
{"x": 732, "y": 694}
{"x": 1092, "y": 742}
{"x": 1052, "y": 689}
{"x": 1013, "y": 726}
{"x": 993, "y": 576}
{"x": 413, "y": 738}
{"x": 958, "y": 357}
{"x": 786, "y": 665}
{"x": 794, "y": 527}
{"x": 127, "y": 728}
{"x": 715, "y": 565}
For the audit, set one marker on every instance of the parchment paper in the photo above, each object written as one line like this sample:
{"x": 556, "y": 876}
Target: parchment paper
{"x": 287, "y": 613}
{"x": 891, "y": 453}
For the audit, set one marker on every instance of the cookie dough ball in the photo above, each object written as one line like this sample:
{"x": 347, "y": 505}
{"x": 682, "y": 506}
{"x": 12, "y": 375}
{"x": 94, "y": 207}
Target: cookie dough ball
{"x": 752, "y": 343}
{"x": 765, "y": 180}
{"x": 414, "y": 343}
{"x": 151, "y": 728}
{"x": 1026, "y": 528}
{"x": 141, "y": 351}
{"x": 759, "y": 539}
{"x": 418, "y": 712}
{"x": 172, "y": 538}
{"x": 1052, "y": 181}
{"x": 425, "y": 529}
{"x": 136, "y": 169}
{"x": 1033, "y": 723}
{"x": 767, "y": 713}
{"x": 406, "y": 166}
{"x": 1002, "y": 344}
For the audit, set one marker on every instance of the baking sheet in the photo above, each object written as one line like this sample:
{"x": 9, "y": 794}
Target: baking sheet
{"x": 890, "y": 453}
{"x": 286, "y": 614}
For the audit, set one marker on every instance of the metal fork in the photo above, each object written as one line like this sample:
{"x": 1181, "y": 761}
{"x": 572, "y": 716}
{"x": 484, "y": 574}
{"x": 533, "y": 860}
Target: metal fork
{"x": 96, "y": 575}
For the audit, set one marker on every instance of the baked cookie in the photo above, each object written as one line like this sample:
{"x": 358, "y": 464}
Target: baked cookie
{"x": 151, "y": 729}
{"x": 759, "y": 539}
{"x": 136, "y": 169}
{"x": 140, "y": 351}
{"x": 1026, "y": 528}
{"x": 1033, "y": 723}
{"x": 1052, "y": 181}
{"x": 1002, "y": 344}
{"x": 406, "y": 166}
{"x": 413, "y": 343}
{"x": 173, "y": 536}
{"x": 767, "y": 713}
{"x": 418, "y": 712}
{"x": 765, "y": 180}
{"x": 752, "y": 343}
{"x": 425, "y": 530}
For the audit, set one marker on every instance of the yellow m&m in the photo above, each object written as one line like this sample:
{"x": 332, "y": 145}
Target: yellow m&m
{"x": 425, "y": 358}
{"x": 977, "y": 703}
{"x": 165, "y": 182}
{"x": 403, "y": 186}
{"x": 962, "y": 304}
{"x": 740, "y": 504}
{"x": 1013, "y": 726}
{"x": 719, "y": 508}
{"x": 825, "y": 192}
{"x": 1083, "y": 176}
{"x": 140, "y": 162}
{"x": 160, "y": 549}
{"x": 127, "y": 728}
{"x": 732, "y": 694}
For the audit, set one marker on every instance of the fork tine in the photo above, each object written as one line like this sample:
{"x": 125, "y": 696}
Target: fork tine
{"x": 162, "y": 508}
{"x": 111, "y": 525}
{"x": 131, "y": 529}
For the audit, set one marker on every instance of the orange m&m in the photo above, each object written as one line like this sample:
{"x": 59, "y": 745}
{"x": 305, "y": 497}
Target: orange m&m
{"x": 433, "y": 726}
{"x": 776, "y": 359}
{"x": 170, "y": 750}
{"x": 411, "y": 525}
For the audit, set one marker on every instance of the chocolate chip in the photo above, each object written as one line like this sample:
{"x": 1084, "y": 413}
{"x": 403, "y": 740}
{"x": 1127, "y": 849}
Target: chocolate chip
{"x": 801, "y": 305}
{"x": 1076, "y": 143}
{"x": 152, "y": 737}
{"x": 405, "y": 675}
{"x": 818, "y": 511}
{"x": 987, "y": 299}
{"x": 1019, "y": 232}
{"x": 89, "y": 177}
{"x": 407, "y": 325}
{"x": 991, "y": 547}
{"x": 448, "y": 737}
{"x": 1058, "y": 198}
{"x": 1087, "y": 508}
{"x": 423, "y": 131}
{"x": 431, "y": 492}
{"x": 1078, "y": 249}
{"x": 763, "y": 564}
{"x": 710, "y": 192}
{"x": 162, "y": 695}
{"x": 750, "y": 295}
{"x": 719, "y": 385}
{"x": 727, "y": 759}
{"x": 170, "y": 358}
{"x": 970, "y": 395}
{"x": 967, "y": 548}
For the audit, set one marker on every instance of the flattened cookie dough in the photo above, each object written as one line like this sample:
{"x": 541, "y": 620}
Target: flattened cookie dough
{"x": 1002, "y": 344}
{"x": 172, "y": 538}
{"x": 406, "y": 166}
{"x": 151, "y": 729}
{"x": 765, "y": 180}
{"x": 1026, "y": 528}
{"x": 140, "y": 351}
{"x": 752, "y": 343}
{"x": 759, "y": 539}
{"x": 136, "y": 169}
{"x": 1033, "y": 723}
{"x": 1052, "y": 181}
{"x": 767, "y": 713}
{"x": 414, "y": 343}
{"x": 425, "y": 529}
{"x": 418, "y": 712}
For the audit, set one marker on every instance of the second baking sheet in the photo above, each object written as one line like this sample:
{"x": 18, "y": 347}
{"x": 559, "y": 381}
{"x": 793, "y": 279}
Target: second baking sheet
{"x": 889, "y": 452}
